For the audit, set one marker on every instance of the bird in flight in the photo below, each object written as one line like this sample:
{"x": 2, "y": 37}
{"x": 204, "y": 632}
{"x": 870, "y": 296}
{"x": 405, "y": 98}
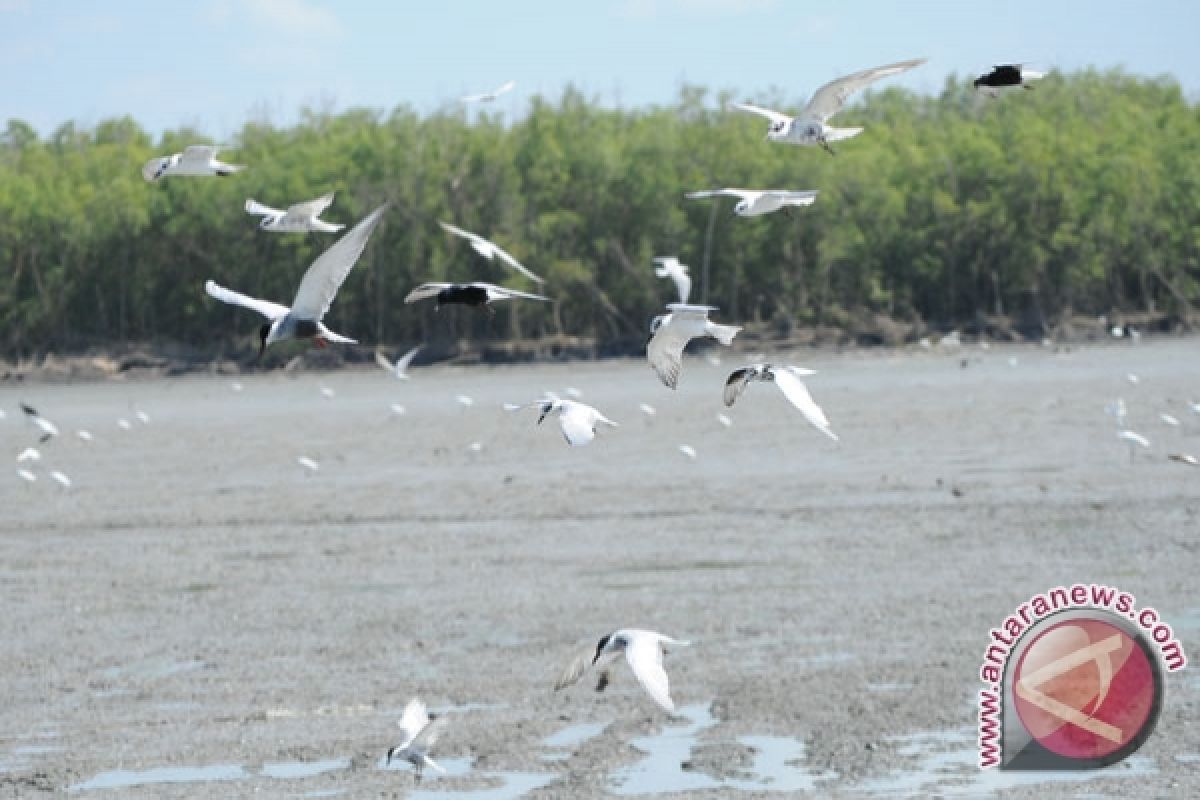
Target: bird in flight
{"x": 577, "y": 420}
{"x": 477, "y": 295}
{"x": 788, "y": 381}
{"x": 643, "y": 650}
{"x": 317, "y": 290}
{"x": 670, "y": 333}
{"x": 811, "y": 126}
{"x": 1007, "y": 75}
{"x": 488, "y": 97}
{"x": 490, "y": 250}
{"x": 419, "y": 733}
{"x": 299, "y": 218}
{"x": 400, "y": 368}
{"x": 670, "y": 267}
{"x": 196, "y": 160}
{"x": 755, "y": 202}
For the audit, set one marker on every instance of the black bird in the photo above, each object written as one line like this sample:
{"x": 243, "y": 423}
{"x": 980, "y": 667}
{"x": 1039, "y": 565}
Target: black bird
{"x": 1004, "y": 75}
{"x": 478, "y": 295}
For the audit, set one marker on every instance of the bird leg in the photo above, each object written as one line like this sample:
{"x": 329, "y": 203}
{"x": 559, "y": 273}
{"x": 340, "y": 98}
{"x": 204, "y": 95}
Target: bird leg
{"x": 603, "y": 682}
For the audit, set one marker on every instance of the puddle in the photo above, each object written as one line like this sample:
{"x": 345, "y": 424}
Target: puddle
{"x": 36, "y": 750}
{"x": 773, "y": 773}
{"x": 122, "y": 779}
{"x": 303, "y": 769}
{"x": 660, "y": 772}
{"x": 574, "y": 735}
{"x": 888, "y": 687}
{"x": 948, "y": 765}
{"x": 325, "y": 793}
{"x": 513, "y": 786}
{"x": 153, "y": 668}
{"x": 467, "y": 707}
{"x": 1188, "y": 758}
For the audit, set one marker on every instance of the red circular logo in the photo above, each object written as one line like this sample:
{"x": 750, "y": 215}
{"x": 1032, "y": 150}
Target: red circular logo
{"x": 1086, "y": 689}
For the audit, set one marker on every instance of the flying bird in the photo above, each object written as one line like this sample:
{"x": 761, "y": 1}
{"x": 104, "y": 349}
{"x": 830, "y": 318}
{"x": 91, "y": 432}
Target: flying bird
{"x": 643, "y": 650}
{"x": 756, "y": 202}
{"x": 48, "y": 428}
{"x": 488, "y": 97}
{"x": 811, "y": 126}
{"x": 577, "y": 420}
{"x": 788, "y": 381}
{"x": 670, "y": 333}
{"x": 477, "y": 295}
{"x": 419, "y": 733}
{"x": 196, "y": 160}
{"x": 400, "y": 368}
{"x": 299, "y": 218}
{"x": 490, "y": 250}
{"x": 1007, "y": 75}
{"x": 317, "y": 289}
{"x": 670, "y": 267}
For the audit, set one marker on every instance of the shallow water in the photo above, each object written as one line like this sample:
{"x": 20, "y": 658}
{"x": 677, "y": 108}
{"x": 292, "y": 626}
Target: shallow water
{"x": 303, "y": 769}
{"x": 660, "y": 770}
{"x": 512, "y": 786}
{"x": 574, "y": 735}
{"x": 121, "y": 779}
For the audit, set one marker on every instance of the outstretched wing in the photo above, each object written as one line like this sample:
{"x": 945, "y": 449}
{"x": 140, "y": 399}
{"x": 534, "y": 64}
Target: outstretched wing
{"x": 665, "y": 354}
{"x": 644, "y": 655}
{"x": 501, "y": 293}
{"x": 323, "y": 279}
{"x": 414, "y": 721}
{"x": 471, "y": 237}
{"x": 742, "y": 193}
{"x": 198, "y": 155}
{"x": 271, "y": 311}
{"x": 255, "y": 207}
{"x": 426, "y": 290}
{"x": 406, "y": 359}
{"x": 512, "y": 262}
{"x": 774, "y": 116}
{"x": 383, "y": 362}
{"x": 830, "y": 98}
{"x": 794, "y": 198}
{"x": 428, "y": 736}
{"x": 576, "y": 424}
{"x": 796, "y": 392}
{"x": 311, "y": 208}
{"x": 576, "y": 669}
{"x": 735, "y": 384}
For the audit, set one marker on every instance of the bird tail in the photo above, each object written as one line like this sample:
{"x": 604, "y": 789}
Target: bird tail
{"x": 723, "y": 333}
{"x": 838, "y": 134}
{"x": 229, "y": 169}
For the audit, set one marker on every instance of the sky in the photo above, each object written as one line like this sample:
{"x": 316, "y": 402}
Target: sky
{"x": 212, "y": 65}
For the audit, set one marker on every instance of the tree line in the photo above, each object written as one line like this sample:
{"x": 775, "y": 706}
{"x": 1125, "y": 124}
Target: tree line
{"x": 1080, "y": 197}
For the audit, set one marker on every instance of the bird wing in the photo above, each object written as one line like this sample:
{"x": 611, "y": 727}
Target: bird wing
{"x": 471, "y": 237}
{"x": 644, "y": 654}
{"x": 506, "y": 87}
{"x": 805, "y": 197}
{"x": 735, "y": 384}
{"x": 683, "y": 282}
{"x": 774, "y": 116}
{"x": 797, "y": 394}
{"x": 576, "y": 424}
{"x": 830, "y": 98}
{"x": 406, "y": 359}
{"x": 311, "y": 208}
{"x": 576, "y": 669}
{"x": 271, "y": 311}
{"x": 743, "y": 193}
{"x": 414, "y": 720}
{"x": 323, "y": 279}
{"x": 428, "y": 735}
{"x": 512, "y": 262}
{"x": 255, "y": 207}
{"x": 665, "y": 353}
{"x": 383, "y": 362}
{"x": 198, "y": 155}
{"x": 501, "y": 293}
{"x": 426, "y": 290}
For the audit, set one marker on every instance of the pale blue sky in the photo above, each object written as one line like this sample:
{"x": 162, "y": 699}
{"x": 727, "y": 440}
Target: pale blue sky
{"x": 213, "y": 64}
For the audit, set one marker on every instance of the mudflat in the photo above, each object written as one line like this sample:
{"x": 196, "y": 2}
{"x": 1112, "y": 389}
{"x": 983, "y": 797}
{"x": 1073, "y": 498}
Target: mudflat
{"x": 199, "y": 615}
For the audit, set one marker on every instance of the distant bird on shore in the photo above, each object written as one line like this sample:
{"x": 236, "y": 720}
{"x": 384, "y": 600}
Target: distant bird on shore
{"x": 317, "y": 289}
{"x": 490, "y": 250}
{"x": 197, "y": 160}
{"x": 309, "y": 464}
{"x": 476, "y": 295}
{"x": 810, "y": 126}
{"x": 577, "y": 420}
{"x": 670, "y": 267}
{"x": 48, "y": 428}
{"x": 643, "y": 650}
{"x": 419, "y": 734}
{"x": 670, "y": 333}
{"x": 1184, "y": 458}
{"x": 29, "y": 454}
{"x": 788, "y": 381}
{"x": 298, "y": 218}
{"x": 400, "y": 368}
{"x": 488, "y": 97}
{"x": 756, "y": 202}
{"x": 1007, "y": 75}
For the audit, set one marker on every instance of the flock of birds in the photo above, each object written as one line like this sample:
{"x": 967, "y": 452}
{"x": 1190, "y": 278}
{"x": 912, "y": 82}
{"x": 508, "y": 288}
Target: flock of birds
{"x": 643, "y": 650}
